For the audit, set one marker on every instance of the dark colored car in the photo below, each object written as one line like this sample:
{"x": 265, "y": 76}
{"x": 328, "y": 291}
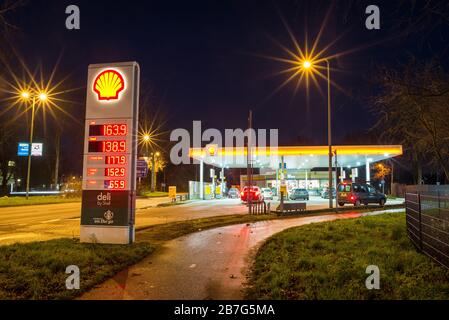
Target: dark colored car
{"x": 299, "y": 194}
{"x": 359, "y": 193}
{"x": 252, "y": 193}
{"x": 325, "y": 193}
{"x": 233, "y": 193}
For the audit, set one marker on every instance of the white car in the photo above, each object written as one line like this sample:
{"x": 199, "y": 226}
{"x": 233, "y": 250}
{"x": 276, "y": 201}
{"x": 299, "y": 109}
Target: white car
{"x": 267, "y": 193}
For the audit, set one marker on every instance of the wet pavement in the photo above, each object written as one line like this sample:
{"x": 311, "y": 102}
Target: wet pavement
{"x": 211, "y": 264}
{"x": 52, "y": 221}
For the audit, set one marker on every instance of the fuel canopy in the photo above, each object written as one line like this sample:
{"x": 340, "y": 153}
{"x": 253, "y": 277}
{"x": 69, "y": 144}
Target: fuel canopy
{"x": 298, "y": 157}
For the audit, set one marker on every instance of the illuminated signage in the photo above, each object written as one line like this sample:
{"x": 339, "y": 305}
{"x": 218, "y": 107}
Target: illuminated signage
{"x": 115, "y": 160}
{"x": 110, "y": 154}
{"x": 37, "y": 149}
{"x": 108, "y": 130}
{"x": 23, "y": 149}
{"x": 108, "y": 84}
{"x": 107, "y": 146}
{"x": 212, "y": 149}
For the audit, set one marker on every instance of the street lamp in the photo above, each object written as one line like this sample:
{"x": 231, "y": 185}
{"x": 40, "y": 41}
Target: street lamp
{"x": 147, "y": 140}
{"x": 307, "y": 65}
{"x": 42, "y": 97}
{"x": 153, "y": 170}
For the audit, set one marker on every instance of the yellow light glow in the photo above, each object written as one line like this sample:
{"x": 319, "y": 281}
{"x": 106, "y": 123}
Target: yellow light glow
{"x": 43, "y": 96}
{"x": 158, "y": 154}
{"x": 25, "y": 94}
{"x": 146, "y": 137}
{"x": 211, "y": 150}
{"x": 307, "y": 64}
{"x": 393, "y": 150}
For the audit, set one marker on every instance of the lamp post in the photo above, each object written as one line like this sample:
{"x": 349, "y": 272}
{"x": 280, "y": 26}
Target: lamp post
{"x": 153, "y": 170}
{"x": 42, "y": 96}
{"x": 307, "y": 65}
{"x": 329, "y": 133}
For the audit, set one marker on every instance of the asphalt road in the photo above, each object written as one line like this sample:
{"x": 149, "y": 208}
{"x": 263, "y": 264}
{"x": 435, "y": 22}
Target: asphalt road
{"x": 211, "y": 264}
{"x": 44, "y": 222}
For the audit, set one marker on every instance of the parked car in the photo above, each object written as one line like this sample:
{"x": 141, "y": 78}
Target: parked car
{"x": 359, "y": 193}
{"x": 325, "y": 193}
{"x": 253, "y": 193}
{"x": 233, "y": 193}
{"x": 267, "y": 194}
{"x": 299, "y": 194}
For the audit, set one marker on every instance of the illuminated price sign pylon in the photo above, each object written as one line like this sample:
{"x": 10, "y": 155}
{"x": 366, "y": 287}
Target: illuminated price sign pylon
{"x": 110, "y": 153}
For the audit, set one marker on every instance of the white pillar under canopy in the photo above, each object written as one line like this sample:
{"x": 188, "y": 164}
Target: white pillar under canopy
{"x": 368, "y": 172}
{"x": 201, "y": 179}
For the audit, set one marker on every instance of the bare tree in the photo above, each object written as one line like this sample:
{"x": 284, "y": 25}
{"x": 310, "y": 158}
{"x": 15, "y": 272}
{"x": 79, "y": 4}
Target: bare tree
{"x": 7, "y": 130}
{"x": 6, "y": 7}
{"x": 7, "y": 148}
{"x": 413, "y": 109}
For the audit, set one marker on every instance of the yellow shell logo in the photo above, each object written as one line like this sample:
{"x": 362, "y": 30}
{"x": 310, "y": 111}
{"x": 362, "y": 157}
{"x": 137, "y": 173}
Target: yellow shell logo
{"x": 108, "y": 84}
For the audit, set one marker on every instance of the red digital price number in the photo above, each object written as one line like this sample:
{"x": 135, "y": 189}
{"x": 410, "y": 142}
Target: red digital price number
{"x": 115, "y": 160}
{"x": 114, "y": 172}
{"x": 108, "y": 130}
{"x": 114, "y": 184}
{"x": 114, "y": 146}
{"x": 115, "y": 130}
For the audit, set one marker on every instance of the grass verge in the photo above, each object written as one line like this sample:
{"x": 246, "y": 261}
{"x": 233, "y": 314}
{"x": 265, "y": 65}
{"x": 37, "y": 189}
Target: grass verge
{"x": 155, "y": 194}
{"x": 328, "y": 261}
{"x": 34, "y": 200}
{"x": 36, "y": 270}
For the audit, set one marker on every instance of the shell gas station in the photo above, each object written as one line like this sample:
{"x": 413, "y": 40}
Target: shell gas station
{"x": 293, "y": 166}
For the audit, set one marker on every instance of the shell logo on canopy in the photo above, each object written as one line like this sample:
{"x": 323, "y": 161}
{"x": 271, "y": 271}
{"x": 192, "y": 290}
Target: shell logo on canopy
{"x": 108, "y": 84}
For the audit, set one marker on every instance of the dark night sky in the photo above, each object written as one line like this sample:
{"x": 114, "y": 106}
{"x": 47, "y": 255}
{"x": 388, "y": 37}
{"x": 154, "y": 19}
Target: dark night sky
{"x": 199, "y": 57}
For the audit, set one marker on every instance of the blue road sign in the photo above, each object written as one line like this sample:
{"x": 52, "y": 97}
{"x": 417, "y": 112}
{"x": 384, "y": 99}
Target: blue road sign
{"x": 23, "y": 149}
{"x": 142, "y": 169}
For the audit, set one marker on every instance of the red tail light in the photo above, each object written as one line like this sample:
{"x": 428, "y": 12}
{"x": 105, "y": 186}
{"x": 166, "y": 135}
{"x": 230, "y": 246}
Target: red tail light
{"x": 352, "y": 197}
{"x": 241, "y": 193}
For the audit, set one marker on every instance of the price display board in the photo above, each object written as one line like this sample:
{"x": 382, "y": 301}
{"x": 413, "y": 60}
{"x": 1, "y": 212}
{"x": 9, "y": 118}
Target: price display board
{"x": 110, "y": 153}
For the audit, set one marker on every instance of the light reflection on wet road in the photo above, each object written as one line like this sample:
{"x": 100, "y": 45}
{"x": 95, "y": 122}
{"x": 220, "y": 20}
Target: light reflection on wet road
{"x": 206, "y": 265}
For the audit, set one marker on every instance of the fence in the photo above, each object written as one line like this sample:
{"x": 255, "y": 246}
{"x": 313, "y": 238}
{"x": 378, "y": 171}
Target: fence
{"x": 427, "y": 216}
{"x": 260, "y": 208}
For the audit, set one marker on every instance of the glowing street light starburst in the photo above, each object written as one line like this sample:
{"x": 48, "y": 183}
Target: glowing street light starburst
{"x": 303, "y": 66}
{"x": 18, "y": 91}
{"x": 150, "y": 135}
{"x": 305, "y": 63}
